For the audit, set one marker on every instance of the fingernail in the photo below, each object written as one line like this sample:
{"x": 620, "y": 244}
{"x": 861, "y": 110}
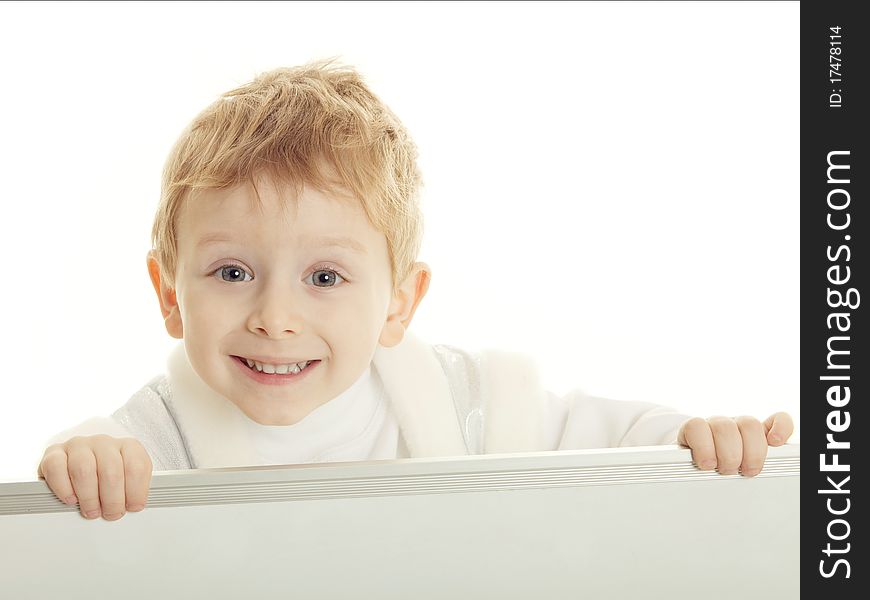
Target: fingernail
{"x": 135, "y": 507}
{"x": 71, "y": 500}
{"x": 708, "y": 464}
{"x": 774, "y": 439}
{"x": 92, "y": 514}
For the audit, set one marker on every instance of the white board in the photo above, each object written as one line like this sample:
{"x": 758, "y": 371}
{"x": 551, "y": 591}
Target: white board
{"x": 615, "y": 523}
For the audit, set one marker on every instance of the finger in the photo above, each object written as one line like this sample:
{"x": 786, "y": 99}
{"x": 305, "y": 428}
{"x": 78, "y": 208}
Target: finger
{"x": 83, "y": 475}
{"x": 695, "y": 433}
{"x": 729, "y": 445}
{"x": 53, "y": 469}
{"x": 137, "y": 474}
{"x": 110, "y": 469}
{"x": 778, "y": 427}
{"x": 754, "y": 445}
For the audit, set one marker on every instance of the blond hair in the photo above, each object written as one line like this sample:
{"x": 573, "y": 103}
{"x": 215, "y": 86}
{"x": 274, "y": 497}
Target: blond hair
{"x": 306, "y": 125}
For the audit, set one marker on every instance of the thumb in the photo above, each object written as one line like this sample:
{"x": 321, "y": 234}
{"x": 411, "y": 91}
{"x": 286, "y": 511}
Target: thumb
{"x": 778, "y": 427}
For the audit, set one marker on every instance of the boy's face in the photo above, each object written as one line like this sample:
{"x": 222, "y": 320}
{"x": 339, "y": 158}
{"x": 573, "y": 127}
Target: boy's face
{"x": 298, "y": 281}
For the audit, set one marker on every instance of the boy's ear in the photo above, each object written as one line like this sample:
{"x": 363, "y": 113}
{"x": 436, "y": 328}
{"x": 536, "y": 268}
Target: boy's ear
{"x": 166, "y": 297}
{"x": 404, "y": 304}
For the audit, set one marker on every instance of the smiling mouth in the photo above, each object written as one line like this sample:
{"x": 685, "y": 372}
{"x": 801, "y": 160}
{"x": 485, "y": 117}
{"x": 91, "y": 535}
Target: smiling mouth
{"x": 276, "y": 369}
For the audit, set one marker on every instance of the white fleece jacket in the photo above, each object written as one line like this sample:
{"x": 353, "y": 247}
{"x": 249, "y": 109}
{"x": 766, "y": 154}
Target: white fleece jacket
{"x": 447, "y": 402}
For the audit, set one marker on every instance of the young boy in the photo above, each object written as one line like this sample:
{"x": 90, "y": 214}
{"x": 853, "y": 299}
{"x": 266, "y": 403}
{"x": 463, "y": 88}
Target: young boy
{"x": 284, "y": 252}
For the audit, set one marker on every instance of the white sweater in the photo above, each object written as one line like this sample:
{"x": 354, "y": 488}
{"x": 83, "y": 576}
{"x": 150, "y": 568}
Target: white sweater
{"x": 416, "y": 400}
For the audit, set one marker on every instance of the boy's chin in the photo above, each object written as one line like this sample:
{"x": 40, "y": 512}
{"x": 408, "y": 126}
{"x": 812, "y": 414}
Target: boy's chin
{"x": 276, "y": 418}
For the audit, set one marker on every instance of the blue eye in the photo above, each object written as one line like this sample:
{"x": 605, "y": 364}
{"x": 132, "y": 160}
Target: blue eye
{"x": 233, "y": 273}
{"x": 326, "y": 278}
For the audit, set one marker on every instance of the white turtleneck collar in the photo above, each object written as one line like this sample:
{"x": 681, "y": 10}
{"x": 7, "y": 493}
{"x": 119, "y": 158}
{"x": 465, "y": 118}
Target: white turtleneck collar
{"x": 355, "y": 425}
{"x": 413, "y": 395}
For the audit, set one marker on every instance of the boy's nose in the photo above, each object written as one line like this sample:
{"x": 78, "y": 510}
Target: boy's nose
{"x": 276, "y": 314}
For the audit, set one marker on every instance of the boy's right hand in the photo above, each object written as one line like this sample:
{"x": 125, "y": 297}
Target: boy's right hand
{"x": 107, "y": 476}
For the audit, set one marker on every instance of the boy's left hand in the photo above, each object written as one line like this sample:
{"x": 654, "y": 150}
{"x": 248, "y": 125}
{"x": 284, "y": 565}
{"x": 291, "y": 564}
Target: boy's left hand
{"x": 734, "y": 444}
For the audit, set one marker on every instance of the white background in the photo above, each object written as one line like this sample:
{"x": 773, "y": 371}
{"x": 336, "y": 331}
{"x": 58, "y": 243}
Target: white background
{"x": 611, "y": 188}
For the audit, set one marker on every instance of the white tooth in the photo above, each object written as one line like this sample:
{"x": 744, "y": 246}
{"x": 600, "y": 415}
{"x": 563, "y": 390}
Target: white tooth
{"x": 295, "y": 369}
{"x": 268, "y": 368}
{"x": 302, "y": 365}
{"x": 250, "y": 362}
{"x": 259, "y": 366}
{"x": 282, "y": 369}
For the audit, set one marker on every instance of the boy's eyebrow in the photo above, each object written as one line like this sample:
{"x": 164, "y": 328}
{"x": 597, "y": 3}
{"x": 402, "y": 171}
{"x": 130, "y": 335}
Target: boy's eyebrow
{"x": 343, "y": 242}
